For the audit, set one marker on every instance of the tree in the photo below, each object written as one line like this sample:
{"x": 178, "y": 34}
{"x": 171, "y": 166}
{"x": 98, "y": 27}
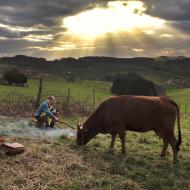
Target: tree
{"x": 9, "y": 76}
{"x": 134, "y": 84}
{"x": 15, "y": 77}
{"x": 22, "y": 79}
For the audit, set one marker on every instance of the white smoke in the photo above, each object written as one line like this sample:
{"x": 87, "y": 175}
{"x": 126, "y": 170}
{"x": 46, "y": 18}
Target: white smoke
{"x": 25, "y": 128}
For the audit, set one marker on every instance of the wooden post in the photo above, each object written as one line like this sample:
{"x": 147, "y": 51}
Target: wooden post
{"x": 9, "y": 99}
{"x": 39, "y": 93}
{"x": 68, "y": 95}
{"x": 93, "y": 98}
{"x": 68, "y": 100}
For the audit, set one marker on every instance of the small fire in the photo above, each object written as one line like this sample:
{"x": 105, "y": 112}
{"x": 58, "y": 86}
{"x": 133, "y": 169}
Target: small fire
{"x": 25, "y": 128}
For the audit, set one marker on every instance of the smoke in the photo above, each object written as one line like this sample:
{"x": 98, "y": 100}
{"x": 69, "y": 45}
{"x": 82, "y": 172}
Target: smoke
{"x": 24, "y": 128}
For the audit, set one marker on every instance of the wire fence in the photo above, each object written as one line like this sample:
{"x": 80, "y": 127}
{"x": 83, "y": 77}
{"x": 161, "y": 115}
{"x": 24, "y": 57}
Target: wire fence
{"x": 18, "y": 104}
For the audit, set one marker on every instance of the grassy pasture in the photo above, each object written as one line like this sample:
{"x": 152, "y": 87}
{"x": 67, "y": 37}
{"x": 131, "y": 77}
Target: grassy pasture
{"x": 82, "y": 91}
{"x": 182, "y": 97}
{"x": 79, "y": 91}
{"x": 60, "y": 164}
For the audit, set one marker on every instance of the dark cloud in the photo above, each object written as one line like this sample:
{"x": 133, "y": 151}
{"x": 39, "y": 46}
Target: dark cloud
{"x": 55, "y": 32}
{"x": 184, "y": 26}
{"x": 45, "y": 17}
{"x": 16, "y": 46}
{"x": 6, "y": 33}
{"x": 51, "y": 12}
{"x": 175, "y": 10}
{"x": 35, "y": 12}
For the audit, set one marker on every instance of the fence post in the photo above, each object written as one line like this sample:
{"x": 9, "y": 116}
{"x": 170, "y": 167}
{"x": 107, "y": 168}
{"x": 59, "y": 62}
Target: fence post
{"x": 9, "y": 99}
{"x": 68, "y": 100}
{"x": 39, "y": 93}
{"x": 93, "y": 98}
{"x": 68, "y": 95}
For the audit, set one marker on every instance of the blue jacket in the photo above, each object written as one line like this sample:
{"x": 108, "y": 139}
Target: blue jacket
{"x": 44, "y": 108}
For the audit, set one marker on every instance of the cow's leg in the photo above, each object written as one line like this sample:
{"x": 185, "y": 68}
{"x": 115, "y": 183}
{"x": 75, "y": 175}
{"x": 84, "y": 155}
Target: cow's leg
{"x": 173, "y": 142}
{"x": 122, "y": 136}
{"x": 165, "y": 146}
{"x": 162, "y": 135}
{"x": 113, "y": 134}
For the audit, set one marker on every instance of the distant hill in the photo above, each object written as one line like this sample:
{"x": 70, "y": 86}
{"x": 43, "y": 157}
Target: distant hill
{"x": 166, "y": 70}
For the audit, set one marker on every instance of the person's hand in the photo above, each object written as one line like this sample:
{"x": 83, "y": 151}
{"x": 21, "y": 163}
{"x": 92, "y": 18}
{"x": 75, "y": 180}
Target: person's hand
{"x": 56, "y": 119}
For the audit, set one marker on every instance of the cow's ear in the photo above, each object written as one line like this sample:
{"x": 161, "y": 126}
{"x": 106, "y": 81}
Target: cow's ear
{"x": 78, "y": 127}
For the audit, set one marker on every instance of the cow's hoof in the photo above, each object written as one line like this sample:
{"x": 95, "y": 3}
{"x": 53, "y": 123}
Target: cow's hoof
{"x": 175, "y": 161}
{"x": 123, "y": 153}
{"x": 162, "y": 155}
{"x": 162, "y": 158}
{"x": 111, "y": 151}
{"x": 168, "y": 152}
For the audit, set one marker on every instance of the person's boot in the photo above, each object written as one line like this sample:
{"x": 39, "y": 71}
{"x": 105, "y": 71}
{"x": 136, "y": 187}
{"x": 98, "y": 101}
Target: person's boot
{"x": 52, "y": 124}
{"x": 39, "y": 124}
{"x": 47, "y": 123}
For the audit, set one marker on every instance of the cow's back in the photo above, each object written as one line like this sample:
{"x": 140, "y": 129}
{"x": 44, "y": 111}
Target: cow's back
{"x": 136, "y": 113}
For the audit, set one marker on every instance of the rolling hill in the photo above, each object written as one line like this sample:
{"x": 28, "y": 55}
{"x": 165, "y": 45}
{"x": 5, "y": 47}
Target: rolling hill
{"x": 163, "y": 70}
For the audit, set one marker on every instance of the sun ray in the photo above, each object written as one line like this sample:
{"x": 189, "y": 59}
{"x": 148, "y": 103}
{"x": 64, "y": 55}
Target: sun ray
{"x": 117, "y": 16}
{"x": 105, "y": 29}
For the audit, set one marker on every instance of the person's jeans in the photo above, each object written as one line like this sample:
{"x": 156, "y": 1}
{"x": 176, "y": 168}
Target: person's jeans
{"x": 43, "y": 119}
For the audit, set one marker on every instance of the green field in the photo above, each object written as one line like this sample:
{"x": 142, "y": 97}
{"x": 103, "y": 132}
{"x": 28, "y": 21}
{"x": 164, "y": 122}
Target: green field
{"x": 82, "y": 91}
{"x": 60, "y": 164}
{"x": 79, "y": 91}
{"x": 182, "y": 97}
{"x": 58, "y": 86}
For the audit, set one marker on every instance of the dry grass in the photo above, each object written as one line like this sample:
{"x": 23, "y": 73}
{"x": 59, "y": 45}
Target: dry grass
{"x": 60, "y": 164}
{"x": 25, "y": 106}
{"x": 44, "y": 165}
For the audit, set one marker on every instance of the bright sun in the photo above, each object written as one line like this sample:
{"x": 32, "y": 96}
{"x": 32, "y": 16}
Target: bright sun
{"x": 118, "y": 16}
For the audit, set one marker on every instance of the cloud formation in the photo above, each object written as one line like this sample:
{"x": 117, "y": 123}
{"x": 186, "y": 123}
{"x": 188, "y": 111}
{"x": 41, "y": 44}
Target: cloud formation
{"x": 175, "y": 11}
{"x": 36, "y": 28}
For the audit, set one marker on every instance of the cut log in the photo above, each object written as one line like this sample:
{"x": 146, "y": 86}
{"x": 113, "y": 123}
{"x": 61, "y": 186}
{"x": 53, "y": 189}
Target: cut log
{"x": 11, "y": 149}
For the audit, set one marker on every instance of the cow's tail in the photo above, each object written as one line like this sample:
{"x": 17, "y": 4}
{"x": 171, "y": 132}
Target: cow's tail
{"x": 178, "y": 124}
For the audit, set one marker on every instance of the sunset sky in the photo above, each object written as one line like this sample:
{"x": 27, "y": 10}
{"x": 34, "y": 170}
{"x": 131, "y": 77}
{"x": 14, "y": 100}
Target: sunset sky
{"x": 77, "y": 28}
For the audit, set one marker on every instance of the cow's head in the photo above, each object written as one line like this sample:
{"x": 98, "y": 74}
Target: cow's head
{"x": 83, "y": 135}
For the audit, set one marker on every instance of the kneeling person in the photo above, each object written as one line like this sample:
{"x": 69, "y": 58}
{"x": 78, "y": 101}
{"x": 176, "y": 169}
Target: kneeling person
{"x": 45, "y": 111}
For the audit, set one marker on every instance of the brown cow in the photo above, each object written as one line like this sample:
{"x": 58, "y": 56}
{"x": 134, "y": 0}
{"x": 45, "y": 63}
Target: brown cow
{"x": 134, "y": 113}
